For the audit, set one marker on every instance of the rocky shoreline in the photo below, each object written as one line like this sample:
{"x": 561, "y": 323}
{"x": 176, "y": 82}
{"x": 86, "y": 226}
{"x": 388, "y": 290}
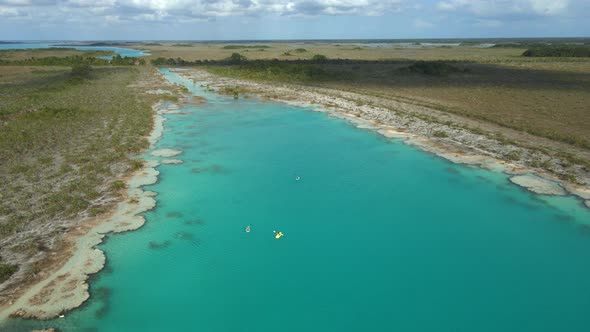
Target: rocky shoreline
{"x": 427, "y": 129}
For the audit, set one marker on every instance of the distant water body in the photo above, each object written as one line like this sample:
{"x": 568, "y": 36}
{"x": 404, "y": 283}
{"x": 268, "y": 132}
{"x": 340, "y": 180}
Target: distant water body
{"x": 378, "y": 236}
{"x": 124, "y": 52}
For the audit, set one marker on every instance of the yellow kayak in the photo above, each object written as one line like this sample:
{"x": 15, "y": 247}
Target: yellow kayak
{"x": 279, "y": 234}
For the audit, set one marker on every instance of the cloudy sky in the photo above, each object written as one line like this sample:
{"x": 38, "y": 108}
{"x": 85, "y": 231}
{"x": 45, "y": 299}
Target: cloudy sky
{"x": 290, "y": 19}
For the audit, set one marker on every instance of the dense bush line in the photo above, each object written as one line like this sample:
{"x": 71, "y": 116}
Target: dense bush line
{"x": 237, "y": 47}
{"x": 312, "y": 69}
{"x": 575, "y": 51}
{"x": 258, "y": 70}
{"x": 237, "y": 58}
{"x": 434, "y": 68}
{"x": 73, "y": 60}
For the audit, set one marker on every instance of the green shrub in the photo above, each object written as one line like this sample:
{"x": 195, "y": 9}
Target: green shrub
{"x": 236, "y": 58}
{"x": 569, "y": 177}
{"x": 81, "y": 70}
{"x": 477, "y": 131}
{"x": 6, "y": 270}
{"x": 118, "y": 185}
{"x": 433, "y": 68}
{"x": 232, "y": 91}
{"x": 319, "y": 58}
{"x": 136, "y": 164}
{"x": 440, "y": 133}
{"x": 513, "y": 155}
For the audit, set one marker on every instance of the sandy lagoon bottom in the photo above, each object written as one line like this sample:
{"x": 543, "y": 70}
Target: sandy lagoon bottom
{"x": 378, "y": 236}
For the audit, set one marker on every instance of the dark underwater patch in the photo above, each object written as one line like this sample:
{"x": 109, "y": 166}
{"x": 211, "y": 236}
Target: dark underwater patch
{"x": 218, "y": 169}
{"x": 214, "y": 169}
{"x": 159, "y": 245}
{"x": 194, "y": 134}
{"x": 107, "y": 269}
{"x": 184, "y": 236}
{"x": 189, "y": 237}
{"x": 194, "y": 222}
{"x": 452, "y": 170}
{"x": 102, "y": 294}
{"x": 585, "y": 228}
{"x": 564, "y": 217}
{"x": 483, "y": 178}
{"x": 102, "y": 311}
{"x": 503, "y": 187}
{"x": 509, "y": 199}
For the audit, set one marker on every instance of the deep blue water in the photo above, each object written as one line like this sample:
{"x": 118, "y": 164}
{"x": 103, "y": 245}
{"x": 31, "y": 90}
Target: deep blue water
{"x": 379, "y": 236}
{"x": 124, "y": 52}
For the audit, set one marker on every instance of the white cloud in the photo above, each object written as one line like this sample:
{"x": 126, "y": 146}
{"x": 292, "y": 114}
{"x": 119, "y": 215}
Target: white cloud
{"x": 10, "y": 12}
{"x": 89, "y": 3}
{"x": 549, "y": 7}
{"x": 154, "y": 9}
{"x": 422, "y": 24}
{"x": 101, "y": 11}
{"x": 281, "y": 7}
{"x": 489, "y": 23}
{"x": 498, "y": 8}
{"x": 16, "y": 2}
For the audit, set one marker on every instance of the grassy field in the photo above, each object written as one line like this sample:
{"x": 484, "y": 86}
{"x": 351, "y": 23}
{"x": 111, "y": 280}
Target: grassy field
{"x": 48, "y": 52}
{"x": 544, "y": 102}
{"x": 64, "y": 141}
{"x": 544, "y": 96}
{"x": 292, "y": 51}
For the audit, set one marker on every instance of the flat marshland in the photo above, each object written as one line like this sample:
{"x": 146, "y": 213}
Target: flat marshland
{"x": 547, "y": 97}
{"x": 48, "y": 52}
{"x": 66, "y": 135}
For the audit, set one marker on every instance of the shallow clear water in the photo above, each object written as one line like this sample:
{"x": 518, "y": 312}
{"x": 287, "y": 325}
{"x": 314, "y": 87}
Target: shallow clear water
{"x": 124, "y": 52}
{"x": 379, "y": 236}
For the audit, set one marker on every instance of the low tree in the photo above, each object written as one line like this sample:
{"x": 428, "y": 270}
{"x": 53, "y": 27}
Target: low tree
{"x": 81, "y": 70}
{"x": 319, "y": 58}
{"x": 236, "y": 58}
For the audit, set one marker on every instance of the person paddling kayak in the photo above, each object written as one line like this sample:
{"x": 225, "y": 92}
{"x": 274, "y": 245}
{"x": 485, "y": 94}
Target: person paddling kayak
{"x": 248, "y": 229}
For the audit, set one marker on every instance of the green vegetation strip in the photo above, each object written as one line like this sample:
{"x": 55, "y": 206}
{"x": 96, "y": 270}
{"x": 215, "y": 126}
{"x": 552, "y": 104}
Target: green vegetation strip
{"x": 572, "y": 51}
{"x": 73, "y": 60}
{"x": 237, "y": 47}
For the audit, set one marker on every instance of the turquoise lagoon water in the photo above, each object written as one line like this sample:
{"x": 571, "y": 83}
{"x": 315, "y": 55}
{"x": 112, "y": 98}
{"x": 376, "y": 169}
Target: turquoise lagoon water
{"x": 379, "y": 236}
{"x": 124, "y": 52}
